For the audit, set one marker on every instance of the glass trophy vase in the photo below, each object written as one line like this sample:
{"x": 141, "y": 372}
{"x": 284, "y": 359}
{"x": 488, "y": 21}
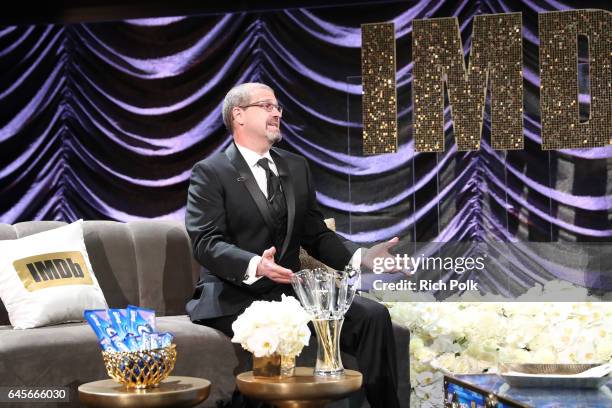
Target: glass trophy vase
{"x": 329, "y": 362}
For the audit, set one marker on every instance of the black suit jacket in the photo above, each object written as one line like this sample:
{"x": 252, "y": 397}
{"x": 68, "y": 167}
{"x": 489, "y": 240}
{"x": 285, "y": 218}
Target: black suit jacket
{"x": 229, "y": 222}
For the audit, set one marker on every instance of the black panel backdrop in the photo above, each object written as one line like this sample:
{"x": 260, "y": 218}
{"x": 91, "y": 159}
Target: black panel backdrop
{"x": 105, "y": 121}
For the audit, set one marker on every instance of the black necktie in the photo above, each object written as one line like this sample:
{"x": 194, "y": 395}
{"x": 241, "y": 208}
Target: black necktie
{"x": 276, "y": 203}
{"x": 272, "y": 179}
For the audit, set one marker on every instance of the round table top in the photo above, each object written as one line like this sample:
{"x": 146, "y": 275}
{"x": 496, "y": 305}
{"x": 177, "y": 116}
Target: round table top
{"x": 301, "y": 386}
{"x": 174, "y": 391}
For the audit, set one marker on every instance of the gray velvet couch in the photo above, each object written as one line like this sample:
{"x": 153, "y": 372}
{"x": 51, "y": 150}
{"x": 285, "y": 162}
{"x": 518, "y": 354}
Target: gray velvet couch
{"x": 146, "y": 263}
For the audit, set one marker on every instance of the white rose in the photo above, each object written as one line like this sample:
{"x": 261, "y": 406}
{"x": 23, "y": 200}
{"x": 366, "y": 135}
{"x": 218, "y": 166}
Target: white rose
{"x": 262, "y": 342}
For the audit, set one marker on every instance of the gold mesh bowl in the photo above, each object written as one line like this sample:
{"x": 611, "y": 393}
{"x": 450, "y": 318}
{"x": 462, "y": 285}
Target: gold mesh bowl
{"x": 140, "y": 369}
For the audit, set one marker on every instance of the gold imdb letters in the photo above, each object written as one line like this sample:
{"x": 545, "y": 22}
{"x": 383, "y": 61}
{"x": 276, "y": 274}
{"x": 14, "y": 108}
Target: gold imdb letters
{"x": 53, "y": 269}
{"x": 495, "y": 64}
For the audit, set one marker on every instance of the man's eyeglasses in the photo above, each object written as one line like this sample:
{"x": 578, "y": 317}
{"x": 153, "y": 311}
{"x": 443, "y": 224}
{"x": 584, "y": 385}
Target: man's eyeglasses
{"x": 267, "y": 106}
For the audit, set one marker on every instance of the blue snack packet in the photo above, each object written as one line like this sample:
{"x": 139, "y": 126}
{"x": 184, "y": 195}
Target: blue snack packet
{"x": 100, "y": 323}
{"x": 120, "y": 321}
{"x": 107, "y": 345}
{"x": 155, "y": 340}
{"x": 131, "y": 342}
{"x": 138, "y": 341}
{"x": 165, "y": 339}
{"x": 119, "y": 344}
{"x": 145, "y": 341}
{"x": 141, "y": 320}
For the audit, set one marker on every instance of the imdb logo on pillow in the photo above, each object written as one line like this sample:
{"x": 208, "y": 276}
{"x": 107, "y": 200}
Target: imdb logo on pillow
{"x": 53, "y": 269}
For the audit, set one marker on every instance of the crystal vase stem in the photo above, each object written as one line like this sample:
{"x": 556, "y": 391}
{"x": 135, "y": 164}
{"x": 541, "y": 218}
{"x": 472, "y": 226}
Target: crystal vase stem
{"x": 329, "y": 362}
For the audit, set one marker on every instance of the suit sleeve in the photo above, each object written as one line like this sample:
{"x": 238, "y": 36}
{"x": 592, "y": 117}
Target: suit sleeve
{"x": 206, "y": 225}
{"x": 318, "y": 240}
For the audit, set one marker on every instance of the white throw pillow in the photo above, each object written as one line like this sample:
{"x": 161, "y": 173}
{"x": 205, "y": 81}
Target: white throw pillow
{"x": 46, "y": 278}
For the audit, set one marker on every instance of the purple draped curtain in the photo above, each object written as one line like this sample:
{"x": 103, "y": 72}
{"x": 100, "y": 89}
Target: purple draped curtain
{"x": 106, "y": 120}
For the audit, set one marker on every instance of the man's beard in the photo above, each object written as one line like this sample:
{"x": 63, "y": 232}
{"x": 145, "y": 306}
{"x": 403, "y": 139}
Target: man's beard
{"x": 274, "y": 136}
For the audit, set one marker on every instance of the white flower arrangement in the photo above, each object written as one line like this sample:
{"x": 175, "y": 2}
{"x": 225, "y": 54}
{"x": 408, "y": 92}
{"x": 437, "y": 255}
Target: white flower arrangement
{"x": 265, "y": 328}
{"x": 470, "y": 336}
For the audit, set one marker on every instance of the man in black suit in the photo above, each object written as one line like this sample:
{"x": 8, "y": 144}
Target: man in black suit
{"x": 249, "y": 210}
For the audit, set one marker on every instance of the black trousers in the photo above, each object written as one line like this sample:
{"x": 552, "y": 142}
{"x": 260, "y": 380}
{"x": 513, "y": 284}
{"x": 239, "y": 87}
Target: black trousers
{"x": 367, "y": 334}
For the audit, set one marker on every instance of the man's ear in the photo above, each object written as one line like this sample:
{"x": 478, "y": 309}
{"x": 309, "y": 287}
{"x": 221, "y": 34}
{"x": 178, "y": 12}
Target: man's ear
{"x": 238, "y": 115}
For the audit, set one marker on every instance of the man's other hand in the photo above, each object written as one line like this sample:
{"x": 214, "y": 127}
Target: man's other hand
{"x": 267, "y": 267}
{"x": 380, "y": 251}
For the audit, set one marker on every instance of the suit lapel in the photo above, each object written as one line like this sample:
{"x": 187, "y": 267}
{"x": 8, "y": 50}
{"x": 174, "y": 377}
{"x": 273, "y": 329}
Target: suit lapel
{"x": 246, "y": 177}
{"x": 287, "y": 184}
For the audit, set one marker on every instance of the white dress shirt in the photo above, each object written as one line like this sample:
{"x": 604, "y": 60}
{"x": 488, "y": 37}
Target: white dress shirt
{"x": 251, "y": 157}
{"x": 259, "y": 173}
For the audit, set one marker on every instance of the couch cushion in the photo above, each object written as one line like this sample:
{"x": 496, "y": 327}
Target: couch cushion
{"x": 166, "y": 270}
{"x": 111, "y": 251}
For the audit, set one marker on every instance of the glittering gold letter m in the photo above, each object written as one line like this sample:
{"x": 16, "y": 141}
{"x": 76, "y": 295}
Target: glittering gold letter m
{"x": 496, "y": 55}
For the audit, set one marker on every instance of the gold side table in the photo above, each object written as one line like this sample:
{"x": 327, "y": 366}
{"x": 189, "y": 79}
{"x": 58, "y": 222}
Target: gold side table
{"x": 303, "y": 390}
{"x": 173, "y": 392}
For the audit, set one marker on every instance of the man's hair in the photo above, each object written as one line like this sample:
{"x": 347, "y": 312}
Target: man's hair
{"x": 239, "y": 95}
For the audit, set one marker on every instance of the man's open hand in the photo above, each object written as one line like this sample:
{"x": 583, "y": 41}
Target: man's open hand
{"x": 267, "y": 267}
{"x": 380, "y": 251}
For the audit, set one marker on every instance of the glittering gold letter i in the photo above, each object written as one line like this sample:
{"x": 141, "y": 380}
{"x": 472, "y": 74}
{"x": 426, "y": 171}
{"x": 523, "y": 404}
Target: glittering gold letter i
{"x": 561, "y": 126}
{"x": 496, "y": 55}
{"x": 379, "y": 92}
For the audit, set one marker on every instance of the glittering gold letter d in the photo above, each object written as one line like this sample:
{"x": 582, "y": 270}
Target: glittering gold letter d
{"x": 561, "y": 126}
